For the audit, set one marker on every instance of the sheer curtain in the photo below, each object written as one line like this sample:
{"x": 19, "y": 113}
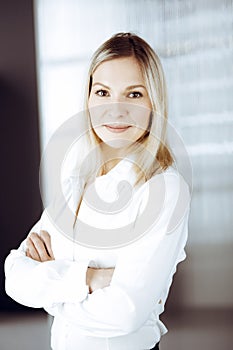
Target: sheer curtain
{"x": 194, "y": 40}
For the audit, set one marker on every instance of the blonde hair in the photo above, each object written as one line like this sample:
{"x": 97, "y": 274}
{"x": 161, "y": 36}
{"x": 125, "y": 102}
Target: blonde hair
{"x": 154, "y": 141}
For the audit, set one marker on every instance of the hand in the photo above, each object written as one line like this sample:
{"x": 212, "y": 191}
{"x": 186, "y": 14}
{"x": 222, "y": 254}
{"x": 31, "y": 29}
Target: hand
{"x": 98, "y": 278}
{"x": 39, "y": 246}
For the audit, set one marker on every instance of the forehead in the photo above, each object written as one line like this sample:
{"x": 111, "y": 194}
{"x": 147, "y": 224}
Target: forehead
{"x": 117, "y": 71}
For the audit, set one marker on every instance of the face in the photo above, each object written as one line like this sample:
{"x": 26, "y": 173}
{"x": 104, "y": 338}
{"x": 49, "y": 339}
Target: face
{"x": 119, "y": 104}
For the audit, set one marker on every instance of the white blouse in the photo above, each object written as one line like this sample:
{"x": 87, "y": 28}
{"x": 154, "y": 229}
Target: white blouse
{"x": 124, "y": 315}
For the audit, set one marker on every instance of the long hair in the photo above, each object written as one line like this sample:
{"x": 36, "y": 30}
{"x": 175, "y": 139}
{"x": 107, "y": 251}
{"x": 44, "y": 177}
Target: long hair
{"x": 152, "y": 154}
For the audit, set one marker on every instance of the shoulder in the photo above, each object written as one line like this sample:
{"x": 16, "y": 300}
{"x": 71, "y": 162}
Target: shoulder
{"x": 169, "y": 183}
{"x": 166, "y": 196}
{"x": 175, "y": 183}
{"x": 172, "y": 186}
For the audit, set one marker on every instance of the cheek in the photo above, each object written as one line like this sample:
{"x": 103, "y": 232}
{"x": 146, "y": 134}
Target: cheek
{"x": 95, "y": 117}
{"x": 142, "y": 120}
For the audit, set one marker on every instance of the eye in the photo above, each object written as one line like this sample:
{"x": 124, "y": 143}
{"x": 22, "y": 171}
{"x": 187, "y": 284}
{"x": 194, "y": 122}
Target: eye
{"x": 135, "y": 94}
{"x": 102, "y": 93}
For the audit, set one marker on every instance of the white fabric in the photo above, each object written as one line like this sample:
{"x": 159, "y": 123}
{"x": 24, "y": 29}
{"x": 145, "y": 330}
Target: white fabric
{"x": 125, "y": 315}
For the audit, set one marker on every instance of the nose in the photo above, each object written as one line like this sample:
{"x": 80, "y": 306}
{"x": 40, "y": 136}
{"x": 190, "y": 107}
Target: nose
{"x": 118, "y": 110}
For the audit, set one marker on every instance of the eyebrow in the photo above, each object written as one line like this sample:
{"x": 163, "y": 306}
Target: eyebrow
{"x": 128, "y": 87}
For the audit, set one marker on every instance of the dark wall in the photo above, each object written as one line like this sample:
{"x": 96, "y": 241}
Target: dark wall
{"x": 20, "y": 204}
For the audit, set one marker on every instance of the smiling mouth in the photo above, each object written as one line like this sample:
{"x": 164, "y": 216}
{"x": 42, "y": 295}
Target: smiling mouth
{"x": 117, "y": 128}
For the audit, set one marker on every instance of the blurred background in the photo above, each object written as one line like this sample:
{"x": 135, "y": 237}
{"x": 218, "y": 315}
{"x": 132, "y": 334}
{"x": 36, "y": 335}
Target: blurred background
{"x": 46, "y": 46}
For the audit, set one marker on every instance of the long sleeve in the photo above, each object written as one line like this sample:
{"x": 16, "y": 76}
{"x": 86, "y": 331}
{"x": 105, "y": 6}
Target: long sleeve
{"x": 142, "y": 273}
{"x": 44, "y": 284}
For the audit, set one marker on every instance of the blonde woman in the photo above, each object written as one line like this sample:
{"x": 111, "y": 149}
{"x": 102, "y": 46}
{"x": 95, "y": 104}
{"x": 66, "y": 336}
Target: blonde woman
{"x": 108, "y": 293}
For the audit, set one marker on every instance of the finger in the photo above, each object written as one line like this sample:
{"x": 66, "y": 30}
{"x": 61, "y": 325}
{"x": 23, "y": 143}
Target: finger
{"x": 27, "y": 253}
{"x": 40, "y": 247}
{"x": 31, "y": 250}
{"x": 47, "y": 240}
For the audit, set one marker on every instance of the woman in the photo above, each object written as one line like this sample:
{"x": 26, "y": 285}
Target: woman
{"x": 110, "y": 296}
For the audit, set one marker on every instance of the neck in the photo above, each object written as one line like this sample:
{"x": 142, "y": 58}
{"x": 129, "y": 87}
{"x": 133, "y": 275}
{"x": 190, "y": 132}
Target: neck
{"x": 112, "y": 156}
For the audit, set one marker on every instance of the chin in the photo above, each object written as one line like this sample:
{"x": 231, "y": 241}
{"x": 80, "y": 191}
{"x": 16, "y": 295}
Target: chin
{"x": 117, "y": 144}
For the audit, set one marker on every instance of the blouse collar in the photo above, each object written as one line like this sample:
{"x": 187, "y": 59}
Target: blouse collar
{"x": 123, "y": 170}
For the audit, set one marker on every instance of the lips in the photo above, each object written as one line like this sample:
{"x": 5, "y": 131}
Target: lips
{"x": 117, "y": 127}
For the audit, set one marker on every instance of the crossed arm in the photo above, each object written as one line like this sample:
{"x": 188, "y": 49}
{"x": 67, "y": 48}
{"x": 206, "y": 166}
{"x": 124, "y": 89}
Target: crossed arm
{"x": 39, "y": 248}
